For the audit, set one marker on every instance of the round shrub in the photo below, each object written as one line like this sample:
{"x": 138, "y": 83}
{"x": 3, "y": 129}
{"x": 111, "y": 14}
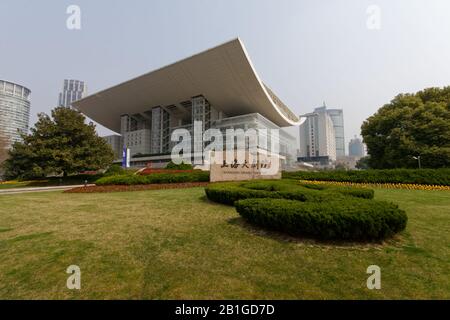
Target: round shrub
{"x": 345, "y": 219}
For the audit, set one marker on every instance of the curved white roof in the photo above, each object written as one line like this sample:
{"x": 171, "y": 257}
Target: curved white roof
{"x": 224, "y": 75}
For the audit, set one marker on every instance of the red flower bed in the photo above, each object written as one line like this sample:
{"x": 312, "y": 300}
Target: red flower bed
{"x": 122, "y": 188}
{"x": 148, "y": 171}
{"x": 89, "y": 173}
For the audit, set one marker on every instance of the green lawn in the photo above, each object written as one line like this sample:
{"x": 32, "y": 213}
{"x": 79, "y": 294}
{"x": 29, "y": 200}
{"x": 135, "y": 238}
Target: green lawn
{"x": 175, "y": 244}
{"x": 50, "y": 182}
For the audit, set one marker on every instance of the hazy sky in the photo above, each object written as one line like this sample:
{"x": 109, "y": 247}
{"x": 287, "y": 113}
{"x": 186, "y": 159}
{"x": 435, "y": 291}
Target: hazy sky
{"x": 306, "y": 51}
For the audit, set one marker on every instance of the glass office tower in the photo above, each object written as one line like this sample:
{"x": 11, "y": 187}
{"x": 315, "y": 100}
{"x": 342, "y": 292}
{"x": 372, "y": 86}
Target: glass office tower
{"x": 14, "y": 110}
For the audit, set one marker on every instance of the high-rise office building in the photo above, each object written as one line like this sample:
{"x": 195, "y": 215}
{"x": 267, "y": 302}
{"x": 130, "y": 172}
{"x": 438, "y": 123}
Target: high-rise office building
{"x": 337, "y": 116}
{"x": 73, "y": 90}
{"x": 356, "y": 148}
{"x": 14, "y": 111}
{"x": 317, "y": 138}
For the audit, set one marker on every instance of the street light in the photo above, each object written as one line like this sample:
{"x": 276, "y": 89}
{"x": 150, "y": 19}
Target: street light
{"x": 418, "y": 159}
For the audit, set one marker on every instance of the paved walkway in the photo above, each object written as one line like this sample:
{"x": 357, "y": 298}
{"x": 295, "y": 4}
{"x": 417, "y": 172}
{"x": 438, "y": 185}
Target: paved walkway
{"x": 38, "y": 189}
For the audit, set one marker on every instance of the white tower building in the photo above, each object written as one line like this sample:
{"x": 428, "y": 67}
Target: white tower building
{"x": 317, "y": 138}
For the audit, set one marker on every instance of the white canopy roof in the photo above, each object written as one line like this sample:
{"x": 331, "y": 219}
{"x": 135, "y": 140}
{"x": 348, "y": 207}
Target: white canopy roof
{"x": 224, "y": 75}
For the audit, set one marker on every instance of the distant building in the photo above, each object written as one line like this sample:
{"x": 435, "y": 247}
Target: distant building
{"x": 317, "y": 139}
{"x": 73, "y": 90}
{"x": 115, "y": 141}
{"x": 356, "y": 148}
{"x": 14, "y": 110}
{"x": 337, "y": 116}
{"x": 348, "y": 162}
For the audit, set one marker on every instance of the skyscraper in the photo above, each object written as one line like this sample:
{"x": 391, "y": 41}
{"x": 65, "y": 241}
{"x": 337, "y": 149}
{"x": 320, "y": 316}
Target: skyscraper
{"x": 14, "y": 111}
{"x": 73, "y": 90}
{"x": 337, "y": 116}
{"x": 317, "y": 138}
{"x": 356, "y": 148}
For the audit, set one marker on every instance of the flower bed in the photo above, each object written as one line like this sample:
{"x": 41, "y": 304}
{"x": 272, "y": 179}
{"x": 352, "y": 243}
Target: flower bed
{"x": 431, "y": 177}
{"x": 406, "y": 186}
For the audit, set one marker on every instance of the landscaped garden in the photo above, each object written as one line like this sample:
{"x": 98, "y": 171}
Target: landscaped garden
{"x": 172, "y": 244}
{"x": 312, "y": 210}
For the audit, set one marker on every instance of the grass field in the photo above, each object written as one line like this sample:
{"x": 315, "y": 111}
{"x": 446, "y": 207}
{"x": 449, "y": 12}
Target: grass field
{"x": 49, "y": 182}
{"x": 175, "y": 244}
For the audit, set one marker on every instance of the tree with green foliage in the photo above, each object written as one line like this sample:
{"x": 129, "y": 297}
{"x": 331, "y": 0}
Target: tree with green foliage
{"x": 363, "y": 163}
{"x": 60, "y": 144}
{"x": 3, "y": 148}
{"x": 411, "y": 125}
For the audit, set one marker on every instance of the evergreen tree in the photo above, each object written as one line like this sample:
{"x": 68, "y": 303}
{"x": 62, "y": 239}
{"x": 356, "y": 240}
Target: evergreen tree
{"x": 60, "y": 144}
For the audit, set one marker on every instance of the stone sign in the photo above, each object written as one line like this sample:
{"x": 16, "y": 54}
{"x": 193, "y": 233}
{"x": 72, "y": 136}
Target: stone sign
{"x": 264, "y": 168}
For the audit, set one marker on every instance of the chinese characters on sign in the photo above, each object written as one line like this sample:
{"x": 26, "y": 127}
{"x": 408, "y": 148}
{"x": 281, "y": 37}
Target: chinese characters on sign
{"x": 265, "y": 167}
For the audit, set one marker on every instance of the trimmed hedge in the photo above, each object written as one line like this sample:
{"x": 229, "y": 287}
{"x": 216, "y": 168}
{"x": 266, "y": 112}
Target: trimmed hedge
{"x": 229, "y": 192}
{"x": 181, "y": 166}
{"x": 346, "y": 219}
{"x": 409, "y": 176}
{"x": 319, "y": 211}
{"x": 156, "y": 178}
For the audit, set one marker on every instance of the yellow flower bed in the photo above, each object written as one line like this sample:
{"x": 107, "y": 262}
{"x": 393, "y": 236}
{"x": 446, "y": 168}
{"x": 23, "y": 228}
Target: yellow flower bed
{"x": 381, "y": 185}
{"x": 9, "y": 182}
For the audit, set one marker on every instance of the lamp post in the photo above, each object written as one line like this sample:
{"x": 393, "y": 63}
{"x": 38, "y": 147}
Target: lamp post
{"x": 418, "y": 160}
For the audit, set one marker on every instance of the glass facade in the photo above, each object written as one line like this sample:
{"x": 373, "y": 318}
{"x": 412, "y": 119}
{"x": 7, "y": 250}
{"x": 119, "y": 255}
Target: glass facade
{"x": 160, "y": 131}
{"x": 14, "y": 110}
{"x": 337, "y": 116}
{"x": 148, "y": 134}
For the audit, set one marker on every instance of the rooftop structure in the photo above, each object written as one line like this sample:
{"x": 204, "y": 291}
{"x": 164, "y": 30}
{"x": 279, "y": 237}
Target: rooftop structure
{"x": 219, "y": 87}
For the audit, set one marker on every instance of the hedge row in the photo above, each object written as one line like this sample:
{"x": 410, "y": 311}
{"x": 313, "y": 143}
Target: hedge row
{"x": 319, "y": 211}
{"x": 228, "y": 193}
{"x": 346, "y": 219}
{"x": 195, "y": 176}
{"x": 410, "y": 176}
